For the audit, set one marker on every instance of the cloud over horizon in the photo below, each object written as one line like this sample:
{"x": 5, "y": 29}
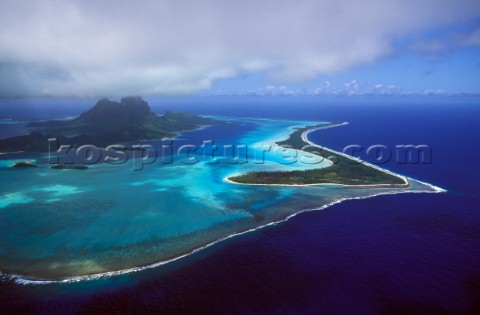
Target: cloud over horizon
{"x": 92, "y": 48}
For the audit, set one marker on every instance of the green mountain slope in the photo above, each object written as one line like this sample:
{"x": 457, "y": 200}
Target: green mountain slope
{"x": 108, "y": 122}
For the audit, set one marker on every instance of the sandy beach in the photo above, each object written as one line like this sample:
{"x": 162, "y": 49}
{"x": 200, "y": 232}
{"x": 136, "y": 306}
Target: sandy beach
{"x": 306, "y": 140}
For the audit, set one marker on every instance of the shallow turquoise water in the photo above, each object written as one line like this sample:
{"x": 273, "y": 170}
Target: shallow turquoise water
{"x": 63, "y": 223}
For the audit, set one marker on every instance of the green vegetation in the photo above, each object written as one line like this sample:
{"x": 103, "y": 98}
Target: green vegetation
{"x": 344, "y": 171}
{"x": 24, "y": 165}
{"x": 107, "y": 123}
{"x": 69, "y": 167}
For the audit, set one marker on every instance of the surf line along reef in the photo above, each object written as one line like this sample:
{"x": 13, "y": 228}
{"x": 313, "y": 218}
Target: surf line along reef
{"x": 344, "y": 170}
{"x": 123, "y": 221}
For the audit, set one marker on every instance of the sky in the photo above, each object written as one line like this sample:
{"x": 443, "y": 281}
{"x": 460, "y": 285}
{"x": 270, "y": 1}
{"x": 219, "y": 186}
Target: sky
{"x": 212, "y": 47}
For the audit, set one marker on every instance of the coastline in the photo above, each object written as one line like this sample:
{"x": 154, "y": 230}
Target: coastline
{"x": 304, "y": 137}
{"x": 434, "y": 189}
{"x": 170, "y": 138}
{"x": 24, "y": 280}
{"x": 406, "y": 185}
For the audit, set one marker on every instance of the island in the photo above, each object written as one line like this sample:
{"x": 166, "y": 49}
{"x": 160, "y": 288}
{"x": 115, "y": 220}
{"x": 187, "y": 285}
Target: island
{"x": 344, "y": 170}
{"x": 131, "y": 120}
{"x": 122, "y": 221}
{"x": 69, "y": 167}
{"x": 108, "y": 122}
{"x": 24, "y": 164}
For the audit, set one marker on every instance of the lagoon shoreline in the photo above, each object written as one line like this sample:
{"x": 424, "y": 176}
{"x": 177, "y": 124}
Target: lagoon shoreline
{"x": 305, "y": 139}
{"x": 94, "y": 276}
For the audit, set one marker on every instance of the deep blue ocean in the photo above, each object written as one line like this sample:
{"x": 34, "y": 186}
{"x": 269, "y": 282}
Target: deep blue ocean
{"x": 397, "y": 254}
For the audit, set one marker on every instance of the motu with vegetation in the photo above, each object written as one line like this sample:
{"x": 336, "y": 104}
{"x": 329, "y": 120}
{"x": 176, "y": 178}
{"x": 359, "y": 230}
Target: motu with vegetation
{"x": 344, "y": 170}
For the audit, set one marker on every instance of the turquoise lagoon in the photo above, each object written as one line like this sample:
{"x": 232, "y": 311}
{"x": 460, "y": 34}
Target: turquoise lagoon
{"x": 70, "y": 225}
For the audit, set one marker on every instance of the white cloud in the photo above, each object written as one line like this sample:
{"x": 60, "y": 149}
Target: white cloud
{"x": 433, "y": 92}
{"x": 272, "y": 90}
{"x": 350, "y": 88}
{"x": 381, "y": 89}
{"x": 325, "y": 89}
{"x": 136, "y": 47}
